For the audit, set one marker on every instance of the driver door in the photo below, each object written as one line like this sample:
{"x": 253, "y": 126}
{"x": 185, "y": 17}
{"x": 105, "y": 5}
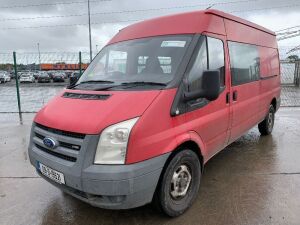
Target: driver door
{"x": 210, "y": 120}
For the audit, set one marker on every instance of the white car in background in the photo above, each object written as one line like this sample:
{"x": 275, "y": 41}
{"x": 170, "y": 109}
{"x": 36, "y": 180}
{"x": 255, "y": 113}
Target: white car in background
{"x": 4, "y": 77}
{"x": 27, "y": 78}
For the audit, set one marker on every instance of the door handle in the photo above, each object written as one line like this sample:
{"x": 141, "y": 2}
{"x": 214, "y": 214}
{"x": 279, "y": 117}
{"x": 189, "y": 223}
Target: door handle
{"x": 234, "y": 96}
{"x": 227, "y": 97}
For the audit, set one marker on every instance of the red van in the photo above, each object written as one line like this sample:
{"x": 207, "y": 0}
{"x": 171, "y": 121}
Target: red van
{"x": 158, "y": 101}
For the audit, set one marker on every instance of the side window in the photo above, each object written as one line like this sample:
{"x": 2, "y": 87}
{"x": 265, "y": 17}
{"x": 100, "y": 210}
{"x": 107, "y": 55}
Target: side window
{"x": 244, "y": 63}
{"x": 216, "y": 57}
{"x": 196, "y": 72}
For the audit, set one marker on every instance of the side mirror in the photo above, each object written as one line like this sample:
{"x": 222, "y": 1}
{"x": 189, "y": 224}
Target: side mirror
{"x": 210, "y": 87}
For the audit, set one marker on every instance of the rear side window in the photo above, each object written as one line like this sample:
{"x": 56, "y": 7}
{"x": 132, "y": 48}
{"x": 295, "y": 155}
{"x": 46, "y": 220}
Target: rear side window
{"x": 244, "y": 63}
{"x": 216, "y": 57}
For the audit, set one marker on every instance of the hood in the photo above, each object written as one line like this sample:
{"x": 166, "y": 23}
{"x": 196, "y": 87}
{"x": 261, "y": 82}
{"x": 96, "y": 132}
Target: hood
{"x": 71, "y": 111}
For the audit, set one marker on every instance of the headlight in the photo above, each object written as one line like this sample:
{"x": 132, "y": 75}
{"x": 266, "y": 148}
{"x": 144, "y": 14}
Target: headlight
{"x": 112, "y": 145}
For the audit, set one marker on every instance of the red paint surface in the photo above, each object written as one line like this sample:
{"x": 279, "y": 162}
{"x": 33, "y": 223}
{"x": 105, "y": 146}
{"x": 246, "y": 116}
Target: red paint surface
{"x": 184, "y": 23}
{"x": 91, "y": 116}
{"x": 211, "y": 127}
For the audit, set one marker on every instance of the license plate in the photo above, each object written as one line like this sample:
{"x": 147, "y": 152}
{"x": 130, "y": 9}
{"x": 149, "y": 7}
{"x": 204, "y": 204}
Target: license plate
{"x": 51, "y": 173}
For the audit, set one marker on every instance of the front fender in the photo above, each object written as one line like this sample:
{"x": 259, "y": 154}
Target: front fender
{"x": 194, "y": 137}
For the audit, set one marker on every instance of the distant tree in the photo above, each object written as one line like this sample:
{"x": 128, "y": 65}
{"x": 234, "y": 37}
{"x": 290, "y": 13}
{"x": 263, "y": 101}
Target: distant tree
{"x": 6, "y": 67}
{"x": 293, "y": 57}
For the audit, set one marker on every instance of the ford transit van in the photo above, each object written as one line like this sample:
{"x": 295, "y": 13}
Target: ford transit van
{"x": 158, "y": 101}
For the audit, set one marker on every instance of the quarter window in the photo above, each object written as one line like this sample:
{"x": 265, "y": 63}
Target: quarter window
{"x": 196, "y": 72}
{"x": 216, "y": 57}
{"x": 244, "y": 63}
{"x": 210, "y": 57}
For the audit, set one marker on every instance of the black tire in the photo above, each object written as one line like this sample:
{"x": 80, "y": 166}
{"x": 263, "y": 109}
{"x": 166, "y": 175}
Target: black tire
{"x": 164, "y": 198}
{"x": 266, "y": 126}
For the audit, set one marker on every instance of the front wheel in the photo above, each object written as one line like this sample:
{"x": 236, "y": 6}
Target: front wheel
{"x": 266, "y": 126}
{"x": 179, "y": 184}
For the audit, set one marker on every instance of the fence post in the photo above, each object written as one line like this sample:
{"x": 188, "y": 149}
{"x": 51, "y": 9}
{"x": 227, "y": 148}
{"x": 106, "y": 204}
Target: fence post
{"x": 17, "y": 84}
{"x": 80, "y": 68}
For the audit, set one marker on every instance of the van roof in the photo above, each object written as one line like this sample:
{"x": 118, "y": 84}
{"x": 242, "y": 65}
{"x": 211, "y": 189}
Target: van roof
{"x": 238, "y": 19}
{"x": 183, "y": 23}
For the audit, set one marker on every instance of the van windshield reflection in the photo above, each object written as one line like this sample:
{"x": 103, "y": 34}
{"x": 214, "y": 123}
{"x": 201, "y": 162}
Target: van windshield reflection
{"x": 145, "y": 61}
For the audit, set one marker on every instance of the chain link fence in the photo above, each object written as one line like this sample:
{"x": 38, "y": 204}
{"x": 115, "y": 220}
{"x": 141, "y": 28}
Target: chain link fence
{"x": 35, "y": 94}
{"x": 290, "y": 80}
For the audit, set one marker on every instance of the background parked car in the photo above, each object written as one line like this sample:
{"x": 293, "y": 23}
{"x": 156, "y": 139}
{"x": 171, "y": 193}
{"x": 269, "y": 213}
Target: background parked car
{"x": 51, "y": 73}
{"x": 58, "y": 77}
{"x": 74, "y": 77}
{"x": 44, "y": 78}
{"x": 75, "y": 74}
{"x": 4, "y": 77}
{"x": 68, "y": 73}
{"x": 64, "y": 74}
{"x": 11, "y": 74}
{"x": 19, "y": 74}
{"x": 27, "y": 78}
{"x": 36, "y": 74}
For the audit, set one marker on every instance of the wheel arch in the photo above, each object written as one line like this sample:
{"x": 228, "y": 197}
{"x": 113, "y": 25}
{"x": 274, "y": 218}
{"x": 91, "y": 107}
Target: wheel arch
{"x": 190, "y": 141}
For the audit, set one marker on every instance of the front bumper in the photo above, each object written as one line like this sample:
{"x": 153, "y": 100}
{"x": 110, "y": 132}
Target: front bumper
{"x": 115, "y": 187}
{"x": 105, "y": 186}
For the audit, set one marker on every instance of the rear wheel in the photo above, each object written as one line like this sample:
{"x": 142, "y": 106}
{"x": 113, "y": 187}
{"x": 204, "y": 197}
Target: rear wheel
{"x": 179, "y": 185}
{"x": 266, "y": 126}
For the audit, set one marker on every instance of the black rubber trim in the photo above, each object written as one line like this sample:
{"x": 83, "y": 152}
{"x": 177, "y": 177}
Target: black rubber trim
{"x": 178, "y": 107}
{"x": 86, "y": 96}
{"x": 61, "y": 132}
{"x": 61, "y": 143}
{"x": 56, "y": 154}
{"x": 268, "y": 77}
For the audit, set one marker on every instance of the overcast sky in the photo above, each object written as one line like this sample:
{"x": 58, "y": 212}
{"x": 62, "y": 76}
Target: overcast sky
{"x": 275, "y": 15}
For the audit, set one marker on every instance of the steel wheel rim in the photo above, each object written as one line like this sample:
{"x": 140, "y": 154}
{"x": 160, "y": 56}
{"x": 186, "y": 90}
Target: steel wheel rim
{"x": 270, "y": 121}
{"x": 180, "y": 182}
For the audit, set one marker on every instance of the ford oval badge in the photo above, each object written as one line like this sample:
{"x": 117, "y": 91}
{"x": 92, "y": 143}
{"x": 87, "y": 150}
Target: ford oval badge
{"x": 49, "y": 142}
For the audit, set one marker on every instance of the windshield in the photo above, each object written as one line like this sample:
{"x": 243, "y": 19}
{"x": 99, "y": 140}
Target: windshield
{"x": 152, "y": 60}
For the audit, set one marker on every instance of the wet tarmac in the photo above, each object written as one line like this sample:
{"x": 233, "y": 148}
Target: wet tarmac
{"x": 255, "y": 180}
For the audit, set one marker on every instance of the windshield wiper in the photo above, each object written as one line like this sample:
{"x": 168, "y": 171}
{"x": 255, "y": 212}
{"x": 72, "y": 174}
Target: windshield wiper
{"x": 133, "y": 84}
{"x": 144, "y": 83}
{"x": 92, "y": 81}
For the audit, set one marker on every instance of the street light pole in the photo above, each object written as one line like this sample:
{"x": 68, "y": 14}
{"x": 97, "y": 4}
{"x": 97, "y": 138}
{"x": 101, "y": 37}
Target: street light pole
{"x": 90, "y": 35}
{"x": 38, "y": 45}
